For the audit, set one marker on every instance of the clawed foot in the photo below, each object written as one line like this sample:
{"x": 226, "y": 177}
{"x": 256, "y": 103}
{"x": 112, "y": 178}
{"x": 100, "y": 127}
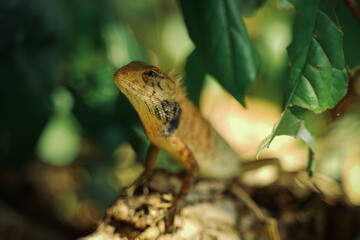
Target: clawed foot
{"x": 170, "y": 218}
{"x": 129, "y": 191}
{"x": 168, "y": 212}
{"x": 171, "y": 214}
{"x": 140, "y": 182}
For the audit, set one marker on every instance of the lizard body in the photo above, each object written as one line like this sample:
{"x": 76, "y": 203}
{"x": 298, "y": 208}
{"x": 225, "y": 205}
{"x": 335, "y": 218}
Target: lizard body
{"x": 173, "y": 124}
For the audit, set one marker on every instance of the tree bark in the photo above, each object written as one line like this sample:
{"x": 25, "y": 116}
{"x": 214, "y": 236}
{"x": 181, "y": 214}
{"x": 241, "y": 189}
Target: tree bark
{"x": 214, "y": 209}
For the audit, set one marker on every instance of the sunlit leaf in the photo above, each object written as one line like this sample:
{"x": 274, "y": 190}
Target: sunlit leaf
{"x": 289, "y": 124}
{"x": 220, "y": 36}
{"x": 318, "y": 77}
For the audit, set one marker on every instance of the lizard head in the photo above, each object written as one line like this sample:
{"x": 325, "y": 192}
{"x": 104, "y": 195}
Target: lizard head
{"x": 153, "y": 93}
{"x": 137, "y": 80}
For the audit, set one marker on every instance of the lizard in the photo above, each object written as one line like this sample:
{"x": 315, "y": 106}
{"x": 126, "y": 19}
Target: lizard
{"x": 172, "y": 123}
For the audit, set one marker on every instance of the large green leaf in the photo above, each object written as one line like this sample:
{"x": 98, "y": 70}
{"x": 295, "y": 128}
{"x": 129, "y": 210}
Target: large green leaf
{"x": 195, "y": 76}
{"x": 318, "y": 77}
{"x": 248, "y": 8}
{"x": 220, "y": 36}
{"x": 291, "y": 125}
{"x": 351, "y": 28}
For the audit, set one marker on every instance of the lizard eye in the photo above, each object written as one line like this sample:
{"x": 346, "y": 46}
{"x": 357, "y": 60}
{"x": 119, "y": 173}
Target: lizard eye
{"x": 152, "y": 77}
{"x": 151, "y": 73}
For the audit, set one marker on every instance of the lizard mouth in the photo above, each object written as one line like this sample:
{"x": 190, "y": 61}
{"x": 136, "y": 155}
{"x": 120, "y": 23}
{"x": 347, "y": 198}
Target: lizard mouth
{"x": 127, "y": 86}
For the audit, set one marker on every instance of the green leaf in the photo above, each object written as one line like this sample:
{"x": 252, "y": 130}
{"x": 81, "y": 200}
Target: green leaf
{"x": 289, "y": 124}
{"x": 284, "y": 3}
{"x": 195, "y": 76}
{"x": 247, "y": 8}
{"x": 318, "y": 76}
{"x": 350, "y": 27}
{"x": 220, "y": 36}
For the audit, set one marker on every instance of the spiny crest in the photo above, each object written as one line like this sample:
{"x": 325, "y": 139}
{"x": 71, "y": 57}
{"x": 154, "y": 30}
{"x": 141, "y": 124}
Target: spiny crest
{"x": 179, "y": 83}
{"x": 174, "y": 75}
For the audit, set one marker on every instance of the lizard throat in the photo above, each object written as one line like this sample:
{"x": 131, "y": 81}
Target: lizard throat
{"x": 169, "y": 114}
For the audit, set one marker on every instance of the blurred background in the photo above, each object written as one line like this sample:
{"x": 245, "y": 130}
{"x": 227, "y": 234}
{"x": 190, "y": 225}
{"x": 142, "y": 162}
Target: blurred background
{"x": 70, "y": 141}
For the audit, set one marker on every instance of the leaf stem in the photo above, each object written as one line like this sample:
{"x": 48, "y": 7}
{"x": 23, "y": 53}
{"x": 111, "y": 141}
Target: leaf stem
{"x": 354, "y": 8}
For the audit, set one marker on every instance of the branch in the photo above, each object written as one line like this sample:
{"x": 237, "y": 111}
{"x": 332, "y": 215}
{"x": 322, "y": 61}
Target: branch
{"x": 214, "y": 209}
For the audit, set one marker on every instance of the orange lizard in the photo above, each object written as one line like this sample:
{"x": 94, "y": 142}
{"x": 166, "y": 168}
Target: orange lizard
{"x": 172, "y": 123}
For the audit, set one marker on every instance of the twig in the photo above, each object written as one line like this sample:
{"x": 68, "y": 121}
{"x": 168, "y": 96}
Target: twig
{"x": 353, "y": 8}
{"x": 269, "y": 224}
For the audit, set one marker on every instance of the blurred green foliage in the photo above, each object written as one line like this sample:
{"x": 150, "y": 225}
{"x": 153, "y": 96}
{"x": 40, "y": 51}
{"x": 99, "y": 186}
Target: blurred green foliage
{"x": 57, "y": 89}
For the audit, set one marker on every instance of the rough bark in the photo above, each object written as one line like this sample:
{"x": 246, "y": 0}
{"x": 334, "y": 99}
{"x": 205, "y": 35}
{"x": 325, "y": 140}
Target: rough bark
{"x": 214, "y": 209}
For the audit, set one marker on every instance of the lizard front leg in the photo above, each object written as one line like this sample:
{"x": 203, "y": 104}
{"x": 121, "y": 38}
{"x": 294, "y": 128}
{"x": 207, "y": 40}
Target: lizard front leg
{"x": 188, "y": 160}
{"x": 150, "y": 160}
